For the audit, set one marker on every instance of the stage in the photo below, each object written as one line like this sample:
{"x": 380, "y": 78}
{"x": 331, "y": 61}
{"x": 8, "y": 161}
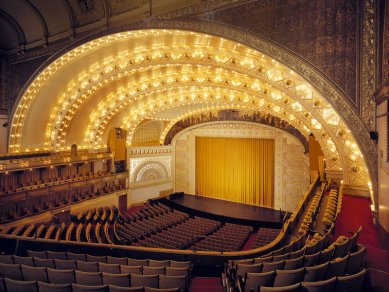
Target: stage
{"x": 229, "y": 211}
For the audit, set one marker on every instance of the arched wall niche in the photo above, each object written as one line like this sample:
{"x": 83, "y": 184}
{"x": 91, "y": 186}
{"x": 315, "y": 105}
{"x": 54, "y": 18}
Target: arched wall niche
{"x": 261, "y": 75}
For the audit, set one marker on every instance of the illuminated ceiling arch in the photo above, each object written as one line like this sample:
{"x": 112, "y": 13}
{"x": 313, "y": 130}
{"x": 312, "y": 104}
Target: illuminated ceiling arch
{"x": 124, "y": 78}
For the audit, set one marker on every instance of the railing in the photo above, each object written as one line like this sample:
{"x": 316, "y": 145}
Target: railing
{"x": 21, "y": 162}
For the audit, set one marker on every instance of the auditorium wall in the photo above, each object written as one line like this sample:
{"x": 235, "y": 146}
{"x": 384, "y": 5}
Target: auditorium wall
{"x": 383, "y": 167}
{"x": 150, "y": 172}
{"x": 291, "y": 164}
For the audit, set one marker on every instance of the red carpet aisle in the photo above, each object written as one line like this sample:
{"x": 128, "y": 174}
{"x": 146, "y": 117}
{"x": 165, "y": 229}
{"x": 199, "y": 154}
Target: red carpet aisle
{"x": 249, "y": 242}
{"x": 356, "y": 212}
{"x": 202, "y": 284}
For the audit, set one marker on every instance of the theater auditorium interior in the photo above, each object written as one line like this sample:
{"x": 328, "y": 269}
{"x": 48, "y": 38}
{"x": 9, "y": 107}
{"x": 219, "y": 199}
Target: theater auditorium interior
{"x": 194, "y": 145}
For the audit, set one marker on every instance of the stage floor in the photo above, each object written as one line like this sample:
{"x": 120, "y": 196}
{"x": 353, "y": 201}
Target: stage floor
{"x": 256, "y": 215}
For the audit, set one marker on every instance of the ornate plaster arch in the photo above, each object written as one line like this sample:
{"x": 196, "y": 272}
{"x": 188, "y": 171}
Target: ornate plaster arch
{"x": 301, "y": 71}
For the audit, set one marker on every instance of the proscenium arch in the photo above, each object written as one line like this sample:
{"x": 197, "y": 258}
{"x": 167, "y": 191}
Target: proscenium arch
{"x": 170, "y": 131}
{"x": 28, "y": 107}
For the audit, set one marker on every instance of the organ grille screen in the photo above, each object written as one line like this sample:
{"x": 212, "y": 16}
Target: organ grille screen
{"x": 236, "y": 169}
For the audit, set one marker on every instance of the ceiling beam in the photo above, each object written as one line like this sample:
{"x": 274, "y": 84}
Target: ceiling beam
{"x": 15, "y": 27}
{"x": 42, "y": 20}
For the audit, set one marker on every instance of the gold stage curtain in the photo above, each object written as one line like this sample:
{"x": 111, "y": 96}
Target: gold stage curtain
{"x": 235, "y": 169}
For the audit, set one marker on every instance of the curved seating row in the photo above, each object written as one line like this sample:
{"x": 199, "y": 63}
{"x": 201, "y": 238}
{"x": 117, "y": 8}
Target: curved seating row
{"x": 156, "y": 284}
{"x": 333, "y": 207}
{"x": 317, "y": 267}
{"x": 353, "y": 283}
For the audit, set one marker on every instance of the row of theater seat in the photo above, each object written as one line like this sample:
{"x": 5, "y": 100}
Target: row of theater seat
{"x": 9, "y": 285}
{"x": 333, "y": 207}
{"x": 28, "y": 262}
{"x": 88, "y": 270}
{"x": 264, "y": 236}
{"x": 57, "y": 276}
{"x": 298, "y": 270}
{"x": 229, "y": 237}
{"x": 312, "y": 211}
{"x": 350, "y": 283}
{"x": 47, "y": 201}
{"x": 49, "y": 181}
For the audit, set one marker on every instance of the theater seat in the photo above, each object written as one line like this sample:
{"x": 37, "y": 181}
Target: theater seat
{"x": 57, "y": 276}
{"x": 89, "y": 278}
{"x": 48, "y": 287}
{"x": 84, "y": 288}
{"x": 22, "y": 286}
{"x": 144, "y": 280}
{"x": 121, "y": 280}
{"x": 11, "y": 271}
{"x": 113, "y": 288}
{"x": 319, "y": 286}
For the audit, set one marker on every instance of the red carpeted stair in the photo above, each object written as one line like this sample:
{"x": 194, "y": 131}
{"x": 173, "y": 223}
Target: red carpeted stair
{"x": 206, "y": 284}
{"x": 356, "y": 212}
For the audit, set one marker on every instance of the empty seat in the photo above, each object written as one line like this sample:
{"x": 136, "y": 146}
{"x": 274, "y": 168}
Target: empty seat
{"x": 178, "y": 264}
{"x": 11, "y": 271}
{"x": 294, "y": 263}
{"x": 355, "y": 260}
{"x": 6, "y": 259}
{"x": 122, "y": 280}
{"x": 137, "y": 262}
{"x": 85, "y": 288}
{"x": 87, "y": 266}
{"x": 316, "y": 273}
{"x": 89, "y": 278}
{"x": 340, "y": 249}
{"x": 60, "y": 276}
{"x": 156, "y": 263}
{"x": 76, "y": 256}
{"x": 288, "y": 277}
{"x": 92, "y": 258}
{"x": 17, "y": 285}
{"x": 144, "y": 280}
{"x": 311, "y": 259}
{"x": 115, "y": 260}
{"x": 337, "y": 267}
{"x": 280, "y": 257}
{"x": 242, "y": 269}
{"x": 153, "y": 270}
{"x": 273, "y": 266}
{"x": 34, "y": 273}
{"x": 263, "y": 260}
{"x": 290, "y": 288}
{"x": 131, "y": 269}
{"x": 319, "y": 286}
{"x": 326, "y": 255}
{"x": 28, "y": 261}
{"x": 65, "y": 264}
{"x": 168, "y": 282}
{"x": 297, "y": 253}
{"x": 47, "y": 263}
{"x": 113, "y": 288}
{"x": 170, "y": 271}
{"x": 37, "y": 254}
{"x": 149, "y": 289}
{"x": 49, "y": 287}
{"x": 254, "y": 280}
{"x": 109, "y": 268}
{"x": 59, "y": 255}
{"x": 351, "y": 282}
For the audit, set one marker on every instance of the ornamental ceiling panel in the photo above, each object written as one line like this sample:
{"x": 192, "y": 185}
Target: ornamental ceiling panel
{"x": 323, "y": 32}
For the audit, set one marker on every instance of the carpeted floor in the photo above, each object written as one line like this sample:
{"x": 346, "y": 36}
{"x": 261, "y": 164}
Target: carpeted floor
{"x": 356, "y": 212}
{"x": 206, "y": 284}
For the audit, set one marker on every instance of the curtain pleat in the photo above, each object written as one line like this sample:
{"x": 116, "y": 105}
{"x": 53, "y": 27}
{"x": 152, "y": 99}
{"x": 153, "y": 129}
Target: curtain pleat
{"x": 236, "y": 169}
